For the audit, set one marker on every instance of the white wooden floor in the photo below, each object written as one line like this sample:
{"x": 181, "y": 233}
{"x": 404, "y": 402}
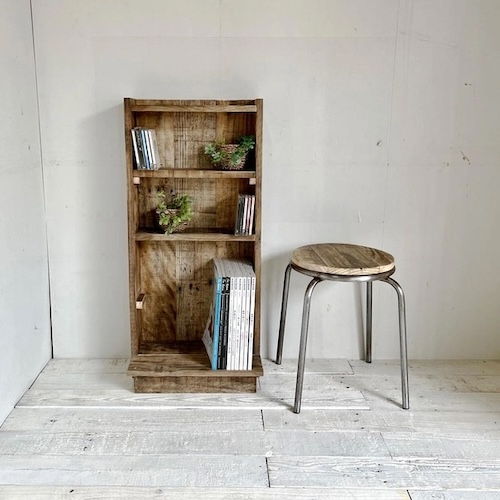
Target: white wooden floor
{"x": 81, "y": 433}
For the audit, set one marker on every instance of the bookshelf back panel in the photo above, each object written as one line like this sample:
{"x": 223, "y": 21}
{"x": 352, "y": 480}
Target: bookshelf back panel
{"x": 182, "y": 137}
{"x": 177, "y": 281}
{"x": 214, "y": 200}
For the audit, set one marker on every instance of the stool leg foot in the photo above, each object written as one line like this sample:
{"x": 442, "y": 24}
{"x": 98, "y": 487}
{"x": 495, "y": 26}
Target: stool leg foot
{"x": 303, "y": 343}
{"x": 284, "y": 304}
{"x": 369, "y": 309}
{"x": 402, "y": 340}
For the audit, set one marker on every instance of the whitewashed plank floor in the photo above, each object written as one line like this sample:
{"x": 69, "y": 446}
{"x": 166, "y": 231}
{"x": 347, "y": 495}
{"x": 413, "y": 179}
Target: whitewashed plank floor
{"x": 81, "y": 433}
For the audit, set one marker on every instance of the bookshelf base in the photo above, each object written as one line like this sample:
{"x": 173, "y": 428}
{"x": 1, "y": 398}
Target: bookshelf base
{"x": 195, "y": 384}
{"x": 185, "y": 367}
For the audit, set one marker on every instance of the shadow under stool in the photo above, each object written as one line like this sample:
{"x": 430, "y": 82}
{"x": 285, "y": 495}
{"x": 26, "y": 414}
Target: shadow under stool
{"x": 345, "y": 263}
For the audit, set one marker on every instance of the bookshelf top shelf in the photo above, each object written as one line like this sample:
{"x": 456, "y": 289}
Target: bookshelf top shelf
{"x": 165, "y": 106}
{"x": 195, "y": 173}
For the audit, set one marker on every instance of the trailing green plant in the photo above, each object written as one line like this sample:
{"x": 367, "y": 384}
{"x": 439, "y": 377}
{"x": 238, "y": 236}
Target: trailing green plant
{"x": 230, "y": 155}
{"x": 174, "y": 212}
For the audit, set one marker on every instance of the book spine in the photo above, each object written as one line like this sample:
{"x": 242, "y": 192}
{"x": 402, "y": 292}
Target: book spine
{"x": 215, "y": 345}
{"x": 244, "y": 229}
{"x": 237, "y": 324}
{"x": 242, "y": 324}
{"x": 252, "y": 214}
{"x": 239, "y": 210}
{"x": 154, "y": 149}
{"x": 140, "y": 148}
{"x": 145, "y": 146}
{"x": 230, "y": 334}
{"x": 224, "y": 329}
{"x": 251, "y": 323}
{"x": 136, "y": 150}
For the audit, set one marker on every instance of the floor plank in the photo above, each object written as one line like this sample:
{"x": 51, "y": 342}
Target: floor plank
{"x": 247, "y": 443}
{"x": 330, "y": 366}
{"x": 132, "y": 419}
{"x": 363, "y": 473}
{"x": 137, "y": 470}
{"x": 468, "y": 425}
{"x": 320, "y": 391}
{"x": 428, "y": 367}
{"x": 134, "y": 493}
{"x": 455, "y": 495}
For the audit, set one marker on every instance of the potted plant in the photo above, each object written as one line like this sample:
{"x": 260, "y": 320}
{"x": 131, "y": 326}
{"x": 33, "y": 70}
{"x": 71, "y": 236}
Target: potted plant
{"x": 230, "y": 156}
{"x": 174, "y": 214}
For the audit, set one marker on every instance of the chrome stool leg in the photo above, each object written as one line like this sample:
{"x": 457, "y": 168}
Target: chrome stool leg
{"x": 303, "y": 343}
{"x": 284, "y": 304}
{"x": 402, "y": 340}
{"x": 369, "y": 303}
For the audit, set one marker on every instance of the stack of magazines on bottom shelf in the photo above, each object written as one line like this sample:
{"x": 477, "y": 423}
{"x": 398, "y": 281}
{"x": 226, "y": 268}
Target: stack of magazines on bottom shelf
{"x": 228, "y": 336}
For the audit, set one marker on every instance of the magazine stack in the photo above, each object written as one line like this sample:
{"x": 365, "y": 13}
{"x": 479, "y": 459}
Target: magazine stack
{"x": 228, "y": 336}
{"x": 245, "y": 212}
{"x": 146, "y": 154}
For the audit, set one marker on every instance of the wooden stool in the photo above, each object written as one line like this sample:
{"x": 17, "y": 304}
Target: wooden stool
{"x": 342, "y": 262}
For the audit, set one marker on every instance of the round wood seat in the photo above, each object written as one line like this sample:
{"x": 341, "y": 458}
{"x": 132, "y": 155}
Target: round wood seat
{"x": 342, "y": 259}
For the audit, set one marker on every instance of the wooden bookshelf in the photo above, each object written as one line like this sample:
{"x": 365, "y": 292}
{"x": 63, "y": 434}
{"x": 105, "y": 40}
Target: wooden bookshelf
{"x": 170, "y": 276}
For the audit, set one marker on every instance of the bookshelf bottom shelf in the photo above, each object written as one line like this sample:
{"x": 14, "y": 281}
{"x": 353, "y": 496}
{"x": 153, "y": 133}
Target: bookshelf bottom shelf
{"x": 180, "y": 370}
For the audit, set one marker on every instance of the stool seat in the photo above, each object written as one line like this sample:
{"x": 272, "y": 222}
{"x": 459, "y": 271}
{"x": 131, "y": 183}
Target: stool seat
{"x": 342, "y": 259}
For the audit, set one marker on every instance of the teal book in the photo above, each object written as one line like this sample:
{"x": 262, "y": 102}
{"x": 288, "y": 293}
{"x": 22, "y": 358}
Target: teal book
{"x": 212, "y": 330}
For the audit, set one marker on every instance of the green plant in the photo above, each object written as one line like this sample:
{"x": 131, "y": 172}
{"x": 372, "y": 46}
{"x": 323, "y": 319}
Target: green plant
{"x": 230, "y": 155}
{"x": 175, "y": 212}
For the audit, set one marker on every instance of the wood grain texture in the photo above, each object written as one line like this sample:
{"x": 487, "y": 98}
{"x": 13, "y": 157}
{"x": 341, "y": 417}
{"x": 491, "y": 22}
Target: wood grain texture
{"x": 420, "y": 424}
{"x": 193, "y": 173}
{"x": 159, "y": 282}
{"x": 185, "y": 365}
{"x": 136, "y": 470}
{"x": 382, "y": 474}
{"x": 196, "y": 384}
{"x": 173, "y": 271}
{"x": 455, "y": 495}
{"x": 126, "y": 420}
{"x": 214, "y": 443}
{"x": 79, "y": 428}
{"x": 189, "y": 493}
{"x": 342, "y": 259}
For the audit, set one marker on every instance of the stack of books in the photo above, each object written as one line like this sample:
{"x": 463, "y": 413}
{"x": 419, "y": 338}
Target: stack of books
{"x": 145, "y": 149}
{"x": 228, "y": 336}
{"x": 245, "y": 212}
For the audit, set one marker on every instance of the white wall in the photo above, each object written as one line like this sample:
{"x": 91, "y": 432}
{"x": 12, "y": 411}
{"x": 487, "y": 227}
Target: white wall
{"x": 381, "y": 128}
{"x": 24, "y": 295}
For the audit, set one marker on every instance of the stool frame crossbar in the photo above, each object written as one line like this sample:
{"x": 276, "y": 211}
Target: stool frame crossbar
{"x": 318, "y": 277}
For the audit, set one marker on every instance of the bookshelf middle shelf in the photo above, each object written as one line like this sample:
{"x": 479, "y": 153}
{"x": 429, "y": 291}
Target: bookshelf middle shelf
{"x": 195, "y": 173}
{"x": 201, "y": 235}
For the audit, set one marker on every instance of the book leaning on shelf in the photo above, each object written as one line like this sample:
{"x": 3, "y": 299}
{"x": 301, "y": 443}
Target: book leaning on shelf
{"x": 228, "y": 336}
{"x": 145, "y": 147}
{"x": 245, "y": 212}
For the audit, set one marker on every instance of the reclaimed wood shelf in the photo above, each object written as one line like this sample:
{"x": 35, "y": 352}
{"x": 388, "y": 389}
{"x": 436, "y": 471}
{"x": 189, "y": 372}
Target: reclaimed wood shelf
{"x": 200, "y": 235}
{"x": 195, "y": 173}
{"x": 170, "y": 276}
{"x": 185, "y": 367}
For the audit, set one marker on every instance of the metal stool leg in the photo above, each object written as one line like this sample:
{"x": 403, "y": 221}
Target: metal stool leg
{"x": 369, "y": 302}
{"x": 303, "y": 343}
{"x": 284, "y": 304}
{"x": 402, "y": 340}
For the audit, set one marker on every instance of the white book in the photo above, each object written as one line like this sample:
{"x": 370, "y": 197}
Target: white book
{"x": 251, "y": 322}
{"x": 252, "y": 215}
{"x": 155, "y": 156}
{"x": 243, "y": 352}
